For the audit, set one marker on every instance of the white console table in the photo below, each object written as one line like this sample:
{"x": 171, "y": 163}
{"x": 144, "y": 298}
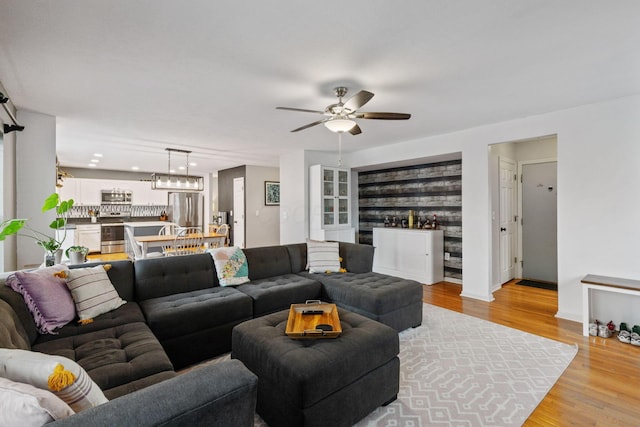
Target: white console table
{"x": 409, "y": 253}
{"x": 607, "y": 284}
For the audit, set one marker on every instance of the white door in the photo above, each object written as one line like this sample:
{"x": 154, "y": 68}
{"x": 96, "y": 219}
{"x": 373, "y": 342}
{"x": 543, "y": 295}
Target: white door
{"x": 539, "y": 222}
{"x": 238, "y": 212}
{"x": 507, "y": 219}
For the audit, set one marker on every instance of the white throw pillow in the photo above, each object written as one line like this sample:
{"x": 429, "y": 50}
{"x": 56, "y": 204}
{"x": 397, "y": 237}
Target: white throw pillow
{"x": 231, "y": 265}
{"x": 25, "y": 405}
{"x": 92, "y": 291}
{"x": 323, "y": 257}
{"x": 60, "y": 375}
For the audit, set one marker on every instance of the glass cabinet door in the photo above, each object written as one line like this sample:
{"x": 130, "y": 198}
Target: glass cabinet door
{"x": 335, "y": 197}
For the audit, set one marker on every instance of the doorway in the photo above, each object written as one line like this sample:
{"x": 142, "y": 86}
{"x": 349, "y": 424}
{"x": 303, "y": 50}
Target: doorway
{"x": 238, "y": 212}
{"x": 539, "y": 221}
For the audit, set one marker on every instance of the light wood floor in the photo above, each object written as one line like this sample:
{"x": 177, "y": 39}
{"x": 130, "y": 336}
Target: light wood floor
{"x": 601, "y": 386}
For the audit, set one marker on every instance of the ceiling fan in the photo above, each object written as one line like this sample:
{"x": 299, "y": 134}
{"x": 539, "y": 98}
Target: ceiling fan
{"x": 340, "y": 117}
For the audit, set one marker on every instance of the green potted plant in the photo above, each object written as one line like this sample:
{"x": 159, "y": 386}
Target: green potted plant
{"x": 77, "y": 254}
{"x": 51, "y": 245}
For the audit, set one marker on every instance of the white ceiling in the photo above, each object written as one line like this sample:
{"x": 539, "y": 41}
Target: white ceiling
{"x": 129, "y": 78}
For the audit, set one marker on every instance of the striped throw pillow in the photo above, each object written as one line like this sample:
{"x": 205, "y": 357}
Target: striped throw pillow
{"x": 92, "y": 291}
{"x": 60, "y": 375}
{"x": 322, "y": 257}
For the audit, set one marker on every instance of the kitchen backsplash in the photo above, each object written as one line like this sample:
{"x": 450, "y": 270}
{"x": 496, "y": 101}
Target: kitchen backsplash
{"x": 136, "y": 211}
{"x": 434, "y": 188}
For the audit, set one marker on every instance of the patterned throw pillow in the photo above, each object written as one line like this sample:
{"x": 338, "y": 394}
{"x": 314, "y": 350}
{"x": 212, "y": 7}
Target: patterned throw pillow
{"x": 25, "y": 405}
{"x": 60, "y": 375}
{"x": 323, "y": 257}
{"x": 46, "y": 295}
{"x": 231, "y": 265}
{"x": 92, "y": 291}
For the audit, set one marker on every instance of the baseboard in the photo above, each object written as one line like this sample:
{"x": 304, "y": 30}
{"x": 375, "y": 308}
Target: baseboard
{"x": 569, "y": 316}
{"x": 452, "y": 280}
{"x": 486, "y": 298}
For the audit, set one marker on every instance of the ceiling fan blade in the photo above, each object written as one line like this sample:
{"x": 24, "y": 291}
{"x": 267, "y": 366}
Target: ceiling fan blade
{"x": 311, "y": 124}
{"x": 358, "y": 100}
{"x": 355, "y": 130}
{"x": 383, "y": 116}
{"x": 300, "y": 109}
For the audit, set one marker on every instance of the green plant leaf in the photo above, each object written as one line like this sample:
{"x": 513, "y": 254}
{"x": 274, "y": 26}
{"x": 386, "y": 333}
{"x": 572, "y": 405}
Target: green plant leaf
{"x": 10, "y": 227}
{"x": 57, "y": 223}
{"x": 51, "y": 202}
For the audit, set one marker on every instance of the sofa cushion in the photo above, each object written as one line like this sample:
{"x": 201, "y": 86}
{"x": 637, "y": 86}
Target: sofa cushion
{"x": 60, "y": 375}
{"x": 159, "y": 277}
{"x": 195, "y": 326}
{"x": 268, "y": 261}
{"x": 45, "y": 293}
{"x": 183, "y": 313}
{"x": 92, "y": 291}
{"x": 115, "y": 356}
{"x": 127, "y": 313}
{"x": 279, "y": 292}
{"x": 297, "y": 256}
{"x": 25, "y": 405}
{"x": 12, "y": 334}
{"x": 25, "y": 318}
{"x": 356, "y": 258}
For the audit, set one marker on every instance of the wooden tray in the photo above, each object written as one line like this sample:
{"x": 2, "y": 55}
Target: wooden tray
{"x": 304, "y": 319}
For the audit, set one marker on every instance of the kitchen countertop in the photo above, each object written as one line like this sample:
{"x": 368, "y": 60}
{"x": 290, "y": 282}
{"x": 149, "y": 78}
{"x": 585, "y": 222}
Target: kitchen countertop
{"x": 147, "y": 223}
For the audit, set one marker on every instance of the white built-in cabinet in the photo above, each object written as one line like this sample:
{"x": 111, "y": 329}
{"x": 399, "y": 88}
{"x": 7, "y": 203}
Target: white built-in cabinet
{"x": 330, "y": 204}
{"x": 409, "y": 253}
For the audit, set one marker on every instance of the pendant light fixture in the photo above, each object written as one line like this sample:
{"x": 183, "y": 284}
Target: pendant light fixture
{"x": 170, "y": 181}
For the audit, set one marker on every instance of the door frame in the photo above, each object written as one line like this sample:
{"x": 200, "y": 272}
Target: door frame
{"x": 513, "y": 227}
{"x": 239, "y": 215}
{"x": 519, "y": 224}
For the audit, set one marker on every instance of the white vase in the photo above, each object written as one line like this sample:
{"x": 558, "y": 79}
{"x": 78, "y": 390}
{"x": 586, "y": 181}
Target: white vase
{"x": 57, "y": 255}
{"x": 76, "y": 257}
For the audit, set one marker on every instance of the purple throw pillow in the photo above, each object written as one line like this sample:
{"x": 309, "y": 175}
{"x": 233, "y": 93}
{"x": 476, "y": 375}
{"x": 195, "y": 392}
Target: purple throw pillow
{"x": 46, "y": 295}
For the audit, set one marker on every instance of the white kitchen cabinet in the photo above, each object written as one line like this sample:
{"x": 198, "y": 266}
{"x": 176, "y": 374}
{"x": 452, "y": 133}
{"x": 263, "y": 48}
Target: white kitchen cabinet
{"x": 330, "y": 204}
{"x": 88, "y": 235}
{"x": 409, "y": 253}
{"x": 70, "y": 189}
{"x": 90, "y": 191}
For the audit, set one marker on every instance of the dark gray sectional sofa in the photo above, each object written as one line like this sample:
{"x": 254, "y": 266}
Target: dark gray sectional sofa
{"x": 177, "y": 314}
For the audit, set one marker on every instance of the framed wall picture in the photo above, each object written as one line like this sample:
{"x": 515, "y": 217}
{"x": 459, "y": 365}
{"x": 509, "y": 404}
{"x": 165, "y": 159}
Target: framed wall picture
{"x": 271, "y": 193}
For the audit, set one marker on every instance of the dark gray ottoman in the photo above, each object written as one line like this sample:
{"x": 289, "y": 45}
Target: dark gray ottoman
{"x": 323, "y": 382}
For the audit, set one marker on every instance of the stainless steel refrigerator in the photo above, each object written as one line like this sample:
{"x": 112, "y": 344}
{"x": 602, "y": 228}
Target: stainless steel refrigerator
{"x": 186, "y": 209}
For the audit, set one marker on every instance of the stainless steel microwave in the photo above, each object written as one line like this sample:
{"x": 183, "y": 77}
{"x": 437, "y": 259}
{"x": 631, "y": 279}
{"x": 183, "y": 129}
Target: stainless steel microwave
{"x": 115, "y": 196}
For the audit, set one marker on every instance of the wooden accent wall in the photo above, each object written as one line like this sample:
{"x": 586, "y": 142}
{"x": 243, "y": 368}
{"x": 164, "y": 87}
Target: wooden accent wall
{"x": 428, "y": 189}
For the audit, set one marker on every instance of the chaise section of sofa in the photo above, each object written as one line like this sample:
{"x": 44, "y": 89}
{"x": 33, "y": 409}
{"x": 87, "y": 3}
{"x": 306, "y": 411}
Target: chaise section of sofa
{"x": 117, "y": 349}
{"x": 185, "y": 307}
{"x": 394, "y": 301}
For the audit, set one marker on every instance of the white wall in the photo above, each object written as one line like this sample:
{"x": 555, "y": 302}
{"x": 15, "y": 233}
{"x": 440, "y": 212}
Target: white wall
{"x": 294, "y": 192}
{"x": 598, "y": 191}
{"x": 35, "y": 180}
{"x": 262, "y": 223}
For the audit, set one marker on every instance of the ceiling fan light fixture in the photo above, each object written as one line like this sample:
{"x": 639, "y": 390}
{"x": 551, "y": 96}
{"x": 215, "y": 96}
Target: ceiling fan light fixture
{"x": 339, "y": 125}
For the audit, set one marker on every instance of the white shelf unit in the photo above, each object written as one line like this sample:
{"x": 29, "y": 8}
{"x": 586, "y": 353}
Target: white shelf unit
{"x": 409, "y": 253}
{"x": 330, "y": 204}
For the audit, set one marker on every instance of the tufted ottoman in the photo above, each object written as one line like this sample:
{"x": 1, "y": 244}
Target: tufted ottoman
{"x": 323, "y": 382}
{"x": 390, "y": 300}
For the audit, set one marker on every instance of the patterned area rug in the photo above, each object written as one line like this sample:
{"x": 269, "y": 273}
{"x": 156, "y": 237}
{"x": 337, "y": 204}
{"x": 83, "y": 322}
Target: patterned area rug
{"x": 457, "y": 370}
